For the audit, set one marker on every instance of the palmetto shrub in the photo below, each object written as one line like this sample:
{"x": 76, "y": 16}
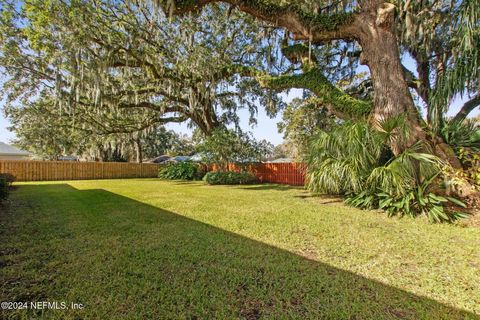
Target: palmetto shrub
{"x": 339, "y": 161}
{"x": 6, "y": 181}
{"x": 462, "y": 134}
{"x": 3, "y": 188}
{"x": 464, "y": 138}
{"x": 354, "y": 160}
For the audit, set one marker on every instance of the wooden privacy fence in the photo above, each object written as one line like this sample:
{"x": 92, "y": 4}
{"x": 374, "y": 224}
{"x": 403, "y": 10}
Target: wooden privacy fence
{"x": 291, "y": 173}
{"x": 282, "y": 173}
{"x": 61, "y": 170}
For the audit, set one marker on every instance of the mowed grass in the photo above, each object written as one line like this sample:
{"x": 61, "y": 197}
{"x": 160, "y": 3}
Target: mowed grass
{"x": 150, "y": 249}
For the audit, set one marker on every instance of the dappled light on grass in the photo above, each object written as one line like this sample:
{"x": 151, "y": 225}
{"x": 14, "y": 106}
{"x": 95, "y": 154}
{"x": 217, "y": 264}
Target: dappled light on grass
{"x": 122, "y": 257}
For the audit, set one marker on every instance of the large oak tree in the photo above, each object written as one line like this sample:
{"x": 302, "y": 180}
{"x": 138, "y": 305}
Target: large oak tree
{"x": 373, "y": 24}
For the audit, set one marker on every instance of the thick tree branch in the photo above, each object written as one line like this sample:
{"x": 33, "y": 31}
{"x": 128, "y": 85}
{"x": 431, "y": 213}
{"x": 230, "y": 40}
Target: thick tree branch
{"x": 415, "y": 84}
{"x": 152, "y": 90}
{"x": 338, "y": 102}
{"x": 304, "y": 25}
{"x": 152, "y": 106}
{"x": 467, "y": 108}
{"x": 147, "y": 124}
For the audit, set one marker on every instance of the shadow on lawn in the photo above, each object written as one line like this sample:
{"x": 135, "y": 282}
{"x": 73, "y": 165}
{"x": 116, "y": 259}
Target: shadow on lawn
{"x": 123, "y": 258}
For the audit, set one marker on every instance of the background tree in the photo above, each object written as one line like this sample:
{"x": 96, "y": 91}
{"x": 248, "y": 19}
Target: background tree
{"x": 302, "y": 120}
{"x": 182, "y": 145}
{"x": 286, "y": 149}
{"x": 48, "y": 136}
{"x": 226, "y": 146}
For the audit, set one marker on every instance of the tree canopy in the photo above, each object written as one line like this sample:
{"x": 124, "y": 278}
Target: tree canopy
{"x": 380, "y": 31}
{"x": 122, "y": 66}
{"x": 49, "y": 140}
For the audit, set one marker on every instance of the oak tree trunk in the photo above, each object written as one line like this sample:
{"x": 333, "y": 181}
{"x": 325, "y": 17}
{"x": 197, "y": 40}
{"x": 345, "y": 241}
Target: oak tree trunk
{"x": 392, "y": 98}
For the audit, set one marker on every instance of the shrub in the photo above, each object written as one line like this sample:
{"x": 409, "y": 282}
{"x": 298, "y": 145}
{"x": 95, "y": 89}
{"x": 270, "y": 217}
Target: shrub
{"x": 3, "y": 188}
{"x": 182, "y": 171}
{"x": 229, "y": 177}
{"x": 9, "y": 178}
{"x": 471, "y": 164}
{"x": 342, "y": 160}
{"x": 6, "y": 181}
{"x": 415, "y": 200}
{"x": 461, "y": 134}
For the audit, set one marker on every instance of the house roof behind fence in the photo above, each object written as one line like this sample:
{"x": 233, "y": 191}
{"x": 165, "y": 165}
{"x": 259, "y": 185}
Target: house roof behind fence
{"x": 6, "y": 149}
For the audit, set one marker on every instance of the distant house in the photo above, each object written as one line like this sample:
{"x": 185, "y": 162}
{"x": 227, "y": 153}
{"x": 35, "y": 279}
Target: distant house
{"x": 160, "y": 159}
{"x": 8, "y": 152}
{"x": 180, "y": 159}
{"x": 67, "y": 158}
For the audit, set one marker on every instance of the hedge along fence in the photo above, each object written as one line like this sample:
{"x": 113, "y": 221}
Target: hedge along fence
{"x": 23, "y": 170}
{"x": 62, "y": 170}
{"x": 291, "y": 173}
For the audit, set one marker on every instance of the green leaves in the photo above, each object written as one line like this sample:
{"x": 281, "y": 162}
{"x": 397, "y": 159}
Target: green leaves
{"x": 181, "y": 171}
{"x": 301, "y": 120}
{"x": 229, "y": 178}
{"x": 340, "y": 161}
{"x": 461, "y": 134}
{"x": 226, "y": 146}
{"x": 412, "y": 203}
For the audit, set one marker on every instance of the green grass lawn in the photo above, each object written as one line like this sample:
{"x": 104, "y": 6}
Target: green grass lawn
{"x": 150, "y": 249}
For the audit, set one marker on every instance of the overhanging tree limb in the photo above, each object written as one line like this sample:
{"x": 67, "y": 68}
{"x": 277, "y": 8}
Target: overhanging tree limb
{"x": 153, "y": 106}
{"x": 304, "y": 25}
{"x": 338, "y": 102}
{"x": 467, "y": 108}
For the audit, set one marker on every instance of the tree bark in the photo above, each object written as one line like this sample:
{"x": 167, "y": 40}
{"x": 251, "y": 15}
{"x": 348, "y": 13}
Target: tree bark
{"x": 392, "y": 98}
{"x": 467, "y": 108}
{"x": 138, "y": 149}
